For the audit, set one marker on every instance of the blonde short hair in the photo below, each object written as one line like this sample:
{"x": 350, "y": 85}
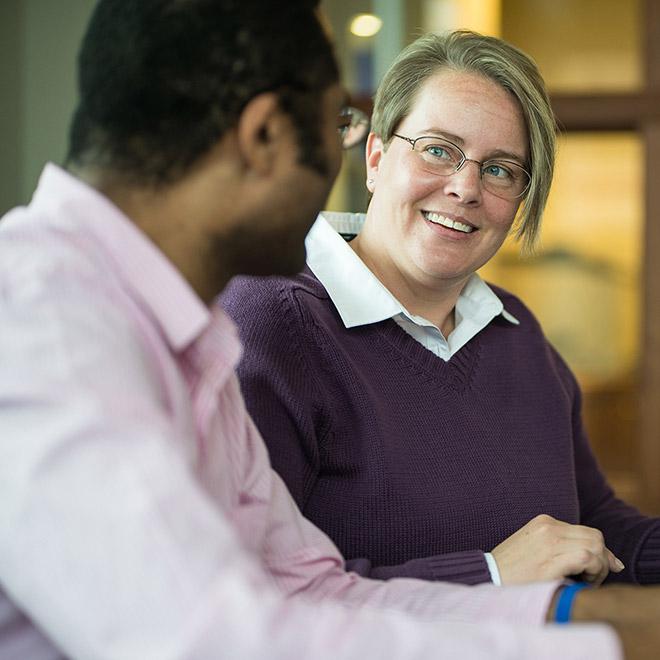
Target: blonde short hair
{"x": 499, "y": 61}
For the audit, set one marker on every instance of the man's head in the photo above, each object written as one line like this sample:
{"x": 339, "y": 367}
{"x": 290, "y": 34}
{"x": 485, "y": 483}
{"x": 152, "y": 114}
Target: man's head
{"x": 161, "y": 81}
{"x": 213, "y": 125}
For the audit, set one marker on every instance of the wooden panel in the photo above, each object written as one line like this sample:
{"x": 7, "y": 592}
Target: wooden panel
{"x": 605, "y": 112}
{"x": 652, "y": 45}
{"x": 650, "y": 413}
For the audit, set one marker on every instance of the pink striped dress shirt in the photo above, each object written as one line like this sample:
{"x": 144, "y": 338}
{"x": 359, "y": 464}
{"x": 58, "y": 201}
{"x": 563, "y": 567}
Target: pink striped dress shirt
{"x": 139, "y": 515}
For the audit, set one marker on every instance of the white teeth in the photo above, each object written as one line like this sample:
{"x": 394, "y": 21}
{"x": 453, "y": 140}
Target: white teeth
{"x": 438, "y": 219}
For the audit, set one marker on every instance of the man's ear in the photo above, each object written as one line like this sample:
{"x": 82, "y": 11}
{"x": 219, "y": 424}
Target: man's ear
{"x": 262, "y": 131}
{"x": 373, "y": 154}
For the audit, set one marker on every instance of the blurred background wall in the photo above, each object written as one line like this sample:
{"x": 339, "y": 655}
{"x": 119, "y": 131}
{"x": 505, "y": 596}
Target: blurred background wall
{"x": 595, "y": 280}
{"x": 39, "y": 40}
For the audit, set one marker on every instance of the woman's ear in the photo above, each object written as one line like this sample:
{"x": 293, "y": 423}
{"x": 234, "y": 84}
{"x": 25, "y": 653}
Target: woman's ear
{"x": 261, "y": 133}
{"x": 373, "y": 154}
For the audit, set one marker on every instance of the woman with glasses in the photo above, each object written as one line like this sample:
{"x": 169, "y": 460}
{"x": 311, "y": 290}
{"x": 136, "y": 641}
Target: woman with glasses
{"x": 418, "y": 415}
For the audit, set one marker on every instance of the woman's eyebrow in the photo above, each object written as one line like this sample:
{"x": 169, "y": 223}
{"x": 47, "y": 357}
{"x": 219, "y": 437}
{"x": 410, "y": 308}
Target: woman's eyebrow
{"x": 444, "y": 134}
{"x": 457, "y": 139}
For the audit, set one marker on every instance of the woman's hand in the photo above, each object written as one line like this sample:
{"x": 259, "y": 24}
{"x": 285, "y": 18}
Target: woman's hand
{"x": 548, "y": 549}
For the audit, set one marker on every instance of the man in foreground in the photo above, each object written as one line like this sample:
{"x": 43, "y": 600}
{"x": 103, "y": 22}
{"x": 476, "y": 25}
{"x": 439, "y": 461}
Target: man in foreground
{"x": 139, "y": 517}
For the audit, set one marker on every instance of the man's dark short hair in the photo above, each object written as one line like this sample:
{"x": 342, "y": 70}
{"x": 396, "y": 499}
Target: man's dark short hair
{"x": 161, "y": 81}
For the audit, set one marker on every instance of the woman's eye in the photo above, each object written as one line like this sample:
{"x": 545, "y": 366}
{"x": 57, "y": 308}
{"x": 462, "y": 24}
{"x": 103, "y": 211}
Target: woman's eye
{"x": 497, "y": 171}
{"x": 438, "y": 152}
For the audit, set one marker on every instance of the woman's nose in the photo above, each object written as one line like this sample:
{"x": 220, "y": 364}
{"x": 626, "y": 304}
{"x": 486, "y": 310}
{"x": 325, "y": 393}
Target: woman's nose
{"x": 465, "y": 182}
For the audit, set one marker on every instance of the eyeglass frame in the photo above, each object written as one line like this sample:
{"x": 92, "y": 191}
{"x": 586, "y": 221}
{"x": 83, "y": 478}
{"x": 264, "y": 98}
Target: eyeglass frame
{"x": 465, "y": 159}
{"x": 356, "y": 129}
{"x": 359, "y": 121}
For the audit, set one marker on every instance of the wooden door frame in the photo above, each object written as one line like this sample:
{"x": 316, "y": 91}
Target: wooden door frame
{"x": 639, "y": 112}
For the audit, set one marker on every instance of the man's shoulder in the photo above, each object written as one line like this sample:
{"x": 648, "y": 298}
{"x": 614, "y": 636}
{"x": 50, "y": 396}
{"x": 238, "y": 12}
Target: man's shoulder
{"x": 63, "y": 280}
{"x": 59, "y": 298}
{"x": 34, "y": 258}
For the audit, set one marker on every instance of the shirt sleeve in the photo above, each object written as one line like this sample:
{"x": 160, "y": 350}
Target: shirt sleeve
{"x": 303, "y": 562}
{"x": 112, "y": 549}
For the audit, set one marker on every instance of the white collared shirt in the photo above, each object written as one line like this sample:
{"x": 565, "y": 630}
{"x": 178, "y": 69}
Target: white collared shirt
{"x": 338, "y": 268}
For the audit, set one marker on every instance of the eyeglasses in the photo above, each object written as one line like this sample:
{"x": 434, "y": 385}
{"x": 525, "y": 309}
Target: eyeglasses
{"x": 502, "y": 178}
{"x": 353, "y": 126}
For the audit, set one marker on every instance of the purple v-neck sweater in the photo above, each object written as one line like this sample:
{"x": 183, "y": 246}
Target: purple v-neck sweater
{"x": 414, "y": 466}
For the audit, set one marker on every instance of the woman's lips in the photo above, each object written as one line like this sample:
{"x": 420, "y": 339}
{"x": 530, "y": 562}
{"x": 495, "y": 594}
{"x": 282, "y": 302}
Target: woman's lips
{"x": 444, "y": 221}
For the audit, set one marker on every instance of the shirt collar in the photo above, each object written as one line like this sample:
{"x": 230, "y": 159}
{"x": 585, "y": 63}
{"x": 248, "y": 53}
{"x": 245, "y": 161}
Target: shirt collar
{"x": 77, "y": 207}
{"x": 360, "y": 297}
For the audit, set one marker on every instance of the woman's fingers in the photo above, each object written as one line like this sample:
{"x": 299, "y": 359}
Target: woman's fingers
{"x": 616, "y": 565}
{"x": 546, "y": 548}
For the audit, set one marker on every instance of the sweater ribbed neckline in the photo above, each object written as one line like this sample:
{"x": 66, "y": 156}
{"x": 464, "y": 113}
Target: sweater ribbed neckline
{"x": 456, "y": 373}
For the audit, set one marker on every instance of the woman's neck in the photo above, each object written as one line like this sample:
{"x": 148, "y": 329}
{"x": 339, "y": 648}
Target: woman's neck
{"x": 434, "y": 301}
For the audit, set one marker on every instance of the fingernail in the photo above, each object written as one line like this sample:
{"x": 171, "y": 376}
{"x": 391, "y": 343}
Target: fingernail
{"x": 619, "y": 565}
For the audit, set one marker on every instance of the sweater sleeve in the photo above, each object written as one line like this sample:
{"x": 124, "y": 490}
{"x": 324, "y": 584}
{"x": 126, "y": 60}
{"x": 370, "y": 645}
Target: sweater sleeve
{"x": 468, "y": 567}
{"x": 631, "y": 536}
{"x": 277, "y": 375}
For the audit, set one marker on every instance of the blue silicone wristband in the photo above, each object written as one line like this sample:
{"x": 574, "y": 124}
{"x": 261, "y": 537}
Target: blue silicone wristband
{"x": 565, "y": 601}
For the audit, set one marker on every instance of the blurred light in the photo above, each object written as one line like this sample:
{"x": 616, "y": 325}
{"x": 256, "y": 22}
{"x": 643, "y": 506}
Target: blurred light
{"x": 365, "y": 25}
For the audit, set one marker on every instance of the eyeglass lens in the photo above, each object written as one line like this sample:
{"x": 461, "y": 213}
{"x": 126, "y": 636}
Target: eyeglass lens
{"x": 353, "y": 126}
{"x": 501, "y": 177}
